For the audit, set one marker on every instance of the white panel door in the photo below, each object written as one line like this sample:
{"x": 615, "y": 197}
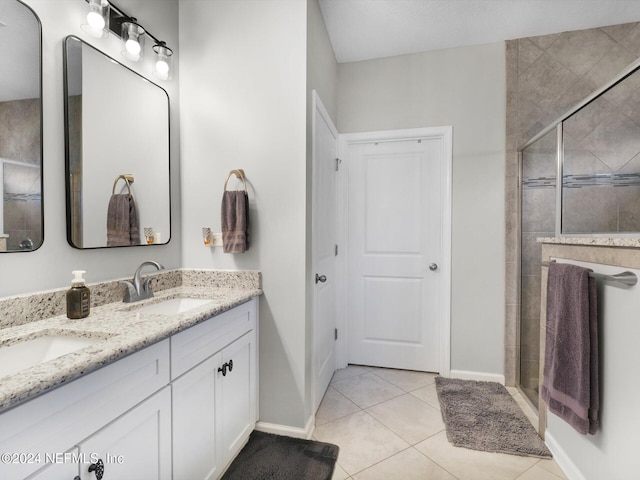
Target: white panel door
{"x": 395, "y": 247}
{"x": 325, "y": 148}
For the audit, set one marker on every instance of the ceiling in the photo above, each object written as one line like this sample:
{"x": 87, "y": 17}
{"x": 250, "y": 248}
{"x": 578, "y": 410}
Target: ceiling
{"x": 366, "y": 29}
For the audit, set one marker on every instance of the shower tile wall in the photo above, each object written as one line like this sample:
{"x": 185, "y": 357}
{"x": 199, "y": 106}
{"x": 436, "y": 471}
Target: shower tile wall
{"x": 20, "y": 141}
{"x": 546, "y": 76}
{"x": 602, "y": 142}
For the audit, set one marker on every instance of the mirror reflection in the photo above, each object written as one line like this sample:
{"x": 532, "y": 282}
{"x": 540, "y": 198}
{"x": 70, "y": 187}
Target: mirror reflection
{"x": 117, "y": 158}
{"x": 21, "y": 220}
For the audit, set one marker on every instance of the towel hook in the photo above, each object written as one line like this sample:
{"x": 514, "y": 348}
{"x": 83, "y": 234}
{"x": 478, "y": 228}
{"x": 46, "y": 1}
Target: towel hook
{"x": 238, "y": 173}
{"x": 128, "y": 179}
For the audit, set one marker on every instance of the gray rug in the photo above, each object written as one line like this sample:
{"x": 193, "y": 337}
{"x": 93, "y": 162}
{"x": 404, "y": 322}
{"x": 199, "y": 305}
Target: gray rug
{"x": 275, "y": 457}
{"x": 484, "y": 416}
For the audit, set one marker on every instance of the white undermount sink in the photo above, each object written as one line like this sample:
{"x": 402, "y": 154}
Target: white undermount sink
{"x": 30, "y": 352}
{"x": 174, "y": 306}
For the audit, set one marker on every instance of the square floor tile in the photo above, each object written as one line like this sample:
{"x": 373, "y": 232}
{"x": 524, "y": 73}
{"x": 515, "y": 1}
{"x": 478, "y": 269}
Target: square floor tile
{"x": 428, "y": 394}
{"x": 376, "y": 443}
{"x": 406, "y": 465}
{"x": 551, "y": 466}
{"x": 407, "y": 380}
{"x": 339, "y": 473}
{"x": 538, "y": 473}
{"x": 363, "y": 441}
{"x": 470, "y": 464}
{"x": 348, "y": 372}
{"x": 334, "y": 405}
{"x": 367, "y": 390}
{"x": 412, "y": 419}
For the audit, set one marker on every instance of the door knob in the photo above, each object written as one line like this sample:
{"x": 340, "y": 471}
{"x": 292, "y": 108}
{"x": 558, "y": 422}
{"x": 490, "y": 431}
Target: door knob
{"x": 321, "y": 278}
{"x": 433, "y": 267}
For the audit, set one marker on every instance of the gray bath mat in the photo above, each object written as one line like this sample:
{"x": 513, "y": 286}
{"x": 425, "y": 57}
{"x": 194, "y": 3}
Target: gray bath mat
{"x": 484, "y": 416}
{"x": 276, "y": 457}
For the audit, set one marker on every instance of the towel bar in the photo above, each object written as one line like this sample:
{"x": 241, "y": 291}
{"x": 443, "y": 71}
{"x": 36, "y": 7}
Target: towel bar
{"x": 128, "y": 179}
{"x": 626, "y": 278}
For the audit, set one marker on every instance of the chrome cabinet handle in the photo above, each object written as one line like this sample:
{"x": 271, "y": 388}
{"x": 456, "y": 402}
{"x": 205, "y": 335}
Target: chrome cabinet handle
{"x": 321, "y": 278}
{"x": 433, "y": 267}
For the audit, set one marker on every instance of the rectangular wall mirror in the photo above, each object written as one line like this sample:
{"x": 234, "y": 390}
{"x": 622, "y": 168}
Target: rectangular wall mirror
{"x": 117, "y": 152}
{"x": 21, "y": 218}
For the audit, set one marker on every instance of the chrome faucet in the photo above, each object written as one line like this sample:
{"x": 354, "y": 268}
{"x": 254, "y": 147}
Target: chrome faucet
{"x": 136, "y": 288}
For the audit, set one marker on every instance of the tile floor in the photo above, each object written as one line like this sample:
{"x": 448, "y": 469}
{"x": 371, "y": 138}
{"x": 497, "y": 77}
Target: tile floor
{"x": 388, "y": 426}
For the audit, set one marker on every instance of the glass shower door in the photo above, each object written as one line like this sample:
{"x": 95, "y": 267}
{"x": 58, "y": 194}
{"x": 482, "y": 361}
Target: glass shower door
{"x": 538, "y": 218}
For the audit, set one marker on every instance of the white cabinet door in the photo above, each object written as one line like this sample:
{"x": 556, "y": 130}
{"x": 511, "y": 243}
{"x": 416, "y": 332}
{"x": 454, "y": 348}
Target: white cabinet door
{"x": 194, "y": 422}
{"x": 237, "y": 401}
{"x": 137, "y": 445}
{"x": 65, "y": 467}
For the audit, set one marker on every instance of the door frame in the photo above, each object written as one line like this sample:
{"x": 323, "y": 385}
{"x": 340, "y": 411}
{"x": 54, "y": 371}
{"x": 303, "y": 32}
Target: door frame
{"x": 319, "y": 108}
{"x": 345, "y": 140}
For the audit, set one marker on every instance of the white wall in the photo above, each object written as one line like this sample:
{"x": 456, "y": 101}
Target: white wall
{"x": 612, "y": 453}
{"x": 465, "y": 88}
{"x": 243, "y": 105}
{"x": 51, "y": 265}
{"x": 322, "y": 76}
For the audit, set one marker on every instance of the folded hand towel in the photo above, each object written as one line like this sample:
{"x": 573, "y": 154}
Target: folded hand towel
{"x": 122, "y": 221}
{"x": 235, "y": 221}
{"x": 570, "y": 380}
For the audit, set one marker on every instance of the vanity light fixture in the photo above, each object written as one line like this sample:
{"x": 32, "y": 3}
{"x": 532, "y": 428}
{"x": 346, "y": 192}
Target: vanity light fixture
{"x": 163, "y": 62}
{"x": 97, "y": 19}
{"x": 104, "y": 16}
{"x": 132, "y": 40}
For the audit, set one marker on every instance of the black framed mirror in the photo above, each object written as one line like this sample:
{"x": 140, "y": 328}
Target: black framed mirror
{"x": 21, "y": 215}
{"x": 117, "y": 152}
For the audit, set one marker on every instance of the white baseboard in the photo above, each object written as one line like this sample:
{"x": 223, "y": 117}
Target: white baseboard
{"x": 562, "y": 459}
{"x": 481, "y": 376}
{"x": 288, "y": 431}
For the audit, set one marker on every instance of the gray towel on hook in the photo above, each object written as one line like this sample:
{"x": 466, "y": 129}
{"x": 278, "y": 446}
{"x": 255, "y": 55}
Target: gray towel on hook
{"x": 235, "y": 221}
{"x": 570, "y": 384}
{"x": 122, "y": 221}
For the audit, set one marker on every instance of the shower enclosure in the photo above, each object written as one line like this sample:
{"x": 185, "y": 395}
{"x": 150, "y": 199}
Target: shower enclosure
{"x": 595, "y": 150}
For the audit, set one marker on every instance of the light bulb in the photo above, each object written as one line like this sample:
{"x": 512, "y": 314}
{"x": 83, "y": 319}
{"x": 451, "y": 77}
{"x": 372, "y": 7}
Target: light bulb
{"x": 162, "y": 67}
{"x": 95, "y": 20}
{"x": 133, "y": 47}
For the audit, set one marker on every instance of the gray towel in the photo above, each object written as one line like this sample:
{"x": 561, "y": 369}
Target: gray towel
{"x": 122, "y": 221}
{"x": 570, "y": 380}
{"x": 235, "y": 221}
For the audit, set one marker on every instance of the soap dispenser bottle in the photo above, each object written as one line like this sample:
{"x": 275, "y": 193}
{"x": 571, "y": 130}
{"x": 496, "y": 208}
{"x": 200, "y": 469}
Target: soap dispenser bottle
{"x": 78, "y": 297}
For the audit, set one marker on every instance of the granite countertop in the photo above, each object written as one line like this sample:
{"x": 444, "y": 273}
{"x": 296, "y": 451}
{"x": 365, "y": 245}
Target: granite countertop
{"x": 120, "y": 331}
{"x": 627, "y": 242}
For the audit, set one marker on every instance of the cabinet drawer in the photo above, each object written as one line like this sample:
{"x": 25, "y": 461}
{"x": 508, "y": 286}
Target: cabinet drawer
{"x": 196, "y": 344}
{"x": 58, "y": 420}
